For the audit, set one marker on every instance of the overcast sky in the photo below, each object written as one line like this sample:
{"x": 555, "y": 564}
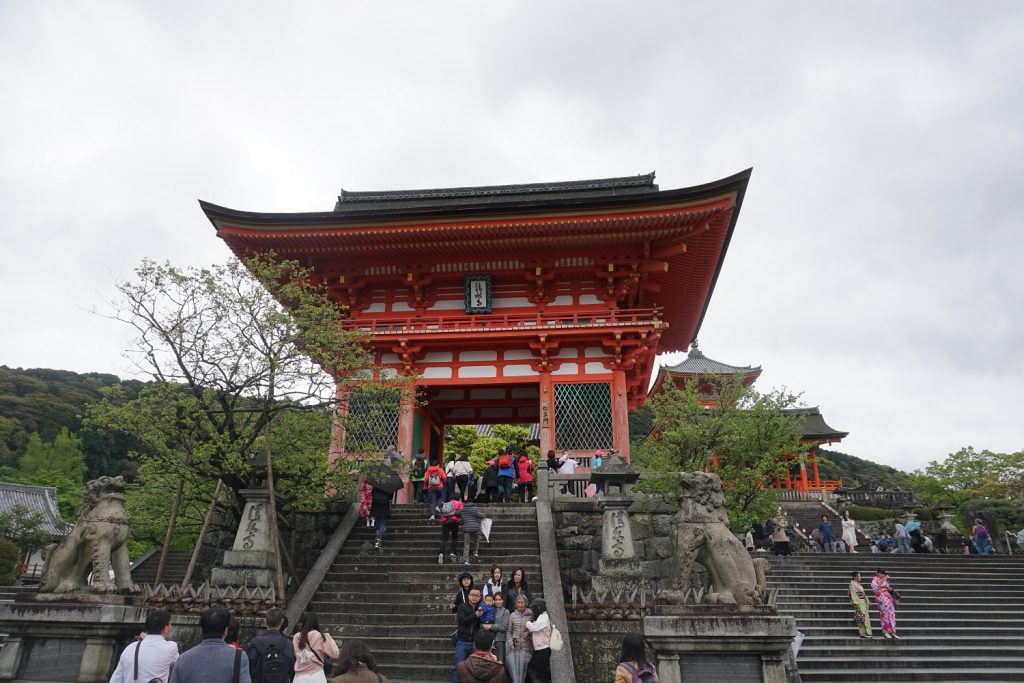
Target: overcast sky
{"x": 876, "y": 266}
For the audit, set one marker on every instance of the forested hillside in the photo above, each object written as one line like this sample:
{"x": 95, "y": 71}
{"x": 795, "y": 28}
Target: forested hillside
{"x": 856, "y": 471}
{"x": 45, "y": 402}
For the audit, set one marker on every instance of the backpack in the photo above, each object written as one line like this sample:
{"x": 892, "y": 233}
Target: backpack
{"x": 556, "y": 639}
{"x": 982, "y": 531}
{"x": 418, "y": 468}
{"x": 643, "y": 675}
{"x": 504, "y": 461}
{"x": 271, "y": 666}
{"x": 448, "y": 509}
{"x": 434, "y": 479}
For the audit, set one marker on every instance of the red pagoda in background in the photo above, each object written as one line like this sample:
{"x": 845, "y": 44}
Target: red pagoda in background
{"x": 697, "y": 367}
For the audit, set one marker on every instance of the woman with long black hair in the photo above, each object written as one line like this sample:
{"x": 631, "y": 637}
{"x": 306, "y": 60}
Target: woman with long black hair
{"x": 633, "y": 662}
{"x": 539, "y": 668}
{"x": 311, "y": 648}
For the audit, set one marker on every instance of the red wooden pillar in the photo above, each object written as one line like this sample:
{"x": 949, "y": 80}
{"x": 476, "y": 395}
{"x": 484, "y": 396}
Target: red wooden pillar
{"x": 620, "y": 414}
{"x": 803, "y": 478}
{"x": 547, "y": 415}
{"x": 406, "y": 424}
{"x": 814, "y": 468}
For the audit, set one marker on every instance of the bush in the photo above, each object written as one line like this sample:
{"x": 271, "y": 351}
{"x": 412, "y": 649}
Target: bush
{"x": 1008, "y": 514}
{"x": 9, "y": 558}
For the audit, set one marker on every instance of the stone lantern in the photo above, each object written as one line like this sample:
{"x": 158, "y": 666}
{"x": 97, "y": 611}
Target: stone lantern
{"x": 619, "y": 562}
{"x": 908, "y": 509}
{"x": 946, "y": 516}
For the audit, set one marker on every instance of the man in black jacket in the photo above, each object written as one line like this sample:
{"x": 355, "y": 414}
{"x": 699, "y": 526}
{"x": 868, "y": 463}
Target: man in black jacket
{"x": 468, "y": 615}
{"x": 271, "y": 656}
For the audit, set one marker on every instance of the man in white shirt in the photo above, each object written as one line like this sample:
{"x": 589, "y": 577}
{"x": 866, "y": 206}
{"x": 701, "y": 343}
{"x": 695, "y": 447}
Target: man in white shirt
{"x": 568, "y": 464}
{"x": 154, "y": 655}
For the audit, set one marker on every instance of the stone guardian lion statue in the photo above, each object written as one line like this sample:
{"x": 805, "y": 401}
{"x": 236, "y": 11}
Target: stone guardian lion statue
{"x": 96, "y": 543}
{"x": 700, "y": 533}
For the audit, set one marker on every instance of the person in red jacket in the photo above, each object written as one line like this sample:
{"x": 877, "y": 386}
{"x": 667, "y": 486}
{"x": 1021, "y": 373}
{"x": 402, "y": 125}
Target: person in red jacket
{"x": 434, "y": 481}
{"x": 524, "y": 468}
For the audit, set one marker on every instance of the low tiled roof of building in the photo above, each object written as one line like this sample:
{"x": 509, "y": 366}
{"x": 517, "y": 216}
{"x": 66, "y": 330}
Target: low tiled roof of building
{"x": 36, "y": 499}
{"x": 697, "y": 363}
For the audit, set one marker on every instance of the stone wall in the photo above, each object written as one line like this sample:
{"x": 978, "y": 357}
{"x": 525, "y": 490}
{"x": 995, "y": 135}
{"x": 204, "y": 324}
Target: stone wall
{"x": 578, "y": 534}
{"x": 596, "y": 646}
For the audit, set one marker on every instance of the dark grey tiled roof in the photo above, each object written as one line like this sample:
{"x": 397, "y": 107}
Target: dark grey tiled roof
{"x": 36, "y": 499}
{"x": 815, "y": 427}
{"x": 697, "y": 363}
{"x": 485, "y": 430}
{"x": 487, "y": 194}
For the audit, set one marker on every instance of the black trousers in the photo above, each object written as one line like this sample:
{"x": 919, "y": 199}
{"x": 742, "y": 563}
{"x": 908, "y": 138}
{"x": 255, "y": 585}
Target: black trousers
{"x": 539, "y": 668}
{"x": 449, "y": 530}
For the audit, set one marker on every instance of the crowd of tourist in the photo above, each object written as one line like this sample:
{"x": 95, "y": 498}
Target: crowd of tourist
{"x": 308, "y": 656}
{"x": 842, "y": 537}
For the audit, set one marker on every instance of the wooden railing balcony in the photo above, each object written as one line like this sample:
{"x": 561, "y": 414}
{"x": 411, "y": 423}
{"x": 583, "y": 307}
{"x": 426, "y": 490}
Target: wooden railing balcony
{"x": 508, "y": 322}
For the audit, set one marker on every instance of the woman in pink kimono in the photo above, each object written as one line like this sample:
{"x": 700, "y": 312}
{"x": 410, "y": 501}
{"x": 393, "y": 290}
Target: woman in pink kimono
{"x": 886, "y": 603}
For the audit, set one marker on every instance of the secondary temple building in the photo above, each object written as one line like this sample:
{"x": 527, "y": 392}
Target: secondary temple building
{"x": 541, "y": 303}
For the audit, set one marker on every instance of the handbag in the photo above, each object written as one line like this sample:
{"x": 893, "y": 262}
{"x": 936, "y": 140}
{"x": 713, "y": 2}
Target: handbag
{"x": 858, "y": 617}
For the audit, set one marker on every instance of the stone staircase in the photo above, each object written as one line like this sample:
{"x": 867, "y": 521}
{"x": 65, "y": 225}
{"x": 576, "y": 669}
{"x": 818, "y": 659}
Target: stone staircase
{"x": 808, "y": 514}
{"x": 174, "y": 570}
{"x": 961, "y": 617}
{"x": 396, "y": 598}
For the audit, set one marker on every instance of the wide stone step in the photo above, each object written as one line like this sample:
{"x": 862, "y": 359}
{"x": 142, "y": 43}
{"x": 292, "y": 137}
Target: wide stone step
{"x": 898, "y": 675}
{"x": 927, "y": 628}
{"x": 881, "y": 646}
{"x": 886, "y": 661}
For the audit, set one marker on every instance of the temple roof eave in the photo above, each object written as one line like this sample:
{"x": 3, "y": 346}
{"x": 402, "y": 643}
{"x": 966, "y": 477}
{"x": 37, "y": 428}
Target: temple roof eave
{"x": 514, "y": 204}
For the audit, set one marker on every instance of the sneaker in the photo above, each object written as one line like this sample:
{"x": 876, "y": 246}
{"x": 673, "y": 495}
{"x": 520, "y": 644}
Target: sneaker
{"x": 895, "y": 636}
{"x": 452, "y": 556}
{"x": 440, "y": 558}
{"x": 466, "y": 562}
{"x": 888, "y": 635}
{"x": 476, "y": 555}
{"x": 376, "y": 544}
{"x": 431, "y": 518}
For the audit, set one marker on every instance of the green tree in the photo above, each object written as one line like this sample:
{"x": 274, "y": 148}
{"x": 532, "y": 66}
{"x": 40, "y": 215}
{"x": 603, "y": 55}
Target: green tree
{"x": 25, "y": 529}
{"x": 459, "y": 440}
{"x": 57, "y": 463}
{"x": 969, "y": 473}
{"x": 751, "y": 433}
{"x": 232, "y": 349}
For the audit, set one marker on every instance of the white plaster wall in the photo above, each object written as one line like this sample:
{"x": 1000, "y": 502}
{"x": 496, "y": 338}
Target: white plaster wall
{"x": 567, "y": 369}
{"x": 478, "y": 371}
{"x": 519, "y": 371}
{"x": 470, "y": 356}
{"x": 437, "y": 373}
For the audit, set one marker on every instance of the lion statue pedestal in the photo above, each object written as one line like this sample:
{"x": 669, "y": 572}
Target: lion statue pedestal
{"x": 722, "y": 632}
{"x": 73, "y": 629}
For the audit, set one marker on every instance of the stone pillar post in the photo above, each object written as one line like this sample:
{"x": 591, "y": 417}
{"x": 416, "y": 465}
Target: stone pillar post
{"x": 250, "y": 562}
{"x": 619, "y": 566}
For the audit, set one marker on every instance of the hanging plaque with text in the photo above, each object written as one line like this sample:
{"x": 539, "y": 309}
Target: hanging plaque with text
{"x": 478, "y": 293}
